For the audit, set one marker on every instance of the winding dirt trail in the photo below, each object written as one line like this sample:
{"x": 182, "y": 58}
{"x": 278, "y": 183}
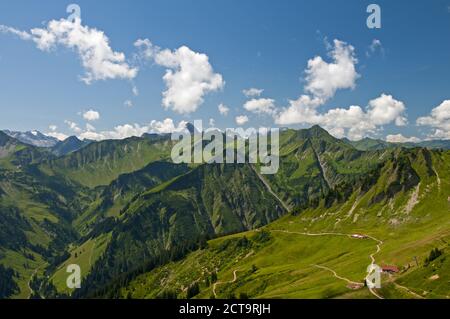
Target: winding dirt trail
{"x": 411, "y": 204}
{"x": 29, "y": 282}
{"x": 337, "y": 276}
{"x": 408, "y": 290}
{"x": 372, "y": 256}
{"x": 225, "y": 282}
{"x": 373, "y": 292}
{"x": 310, "y": 234}
{"x": 438, "y": 179}
{"x": 286, "y": 207}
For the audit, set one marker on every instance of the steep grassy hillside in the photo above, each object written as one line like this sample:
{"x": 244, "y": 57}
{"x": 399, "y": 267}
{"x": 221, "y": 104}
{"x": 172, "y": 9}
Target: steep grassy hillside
{"x": 111, "y": 200}
{"x": 44, "y": 209}
{"x": 311, "y": 254}
{"x": 139, "y": 225}
{"x": 36, "y": 211}
{"x": 370, "y": 144}
{"x": 170, "y": 219}
{"x": 102, "y": 162}
{"x": 84, "y": 255}
{"x": 313, "y": 164}
{"x": 69, "y": 145}
{"x": 14, "y": 155}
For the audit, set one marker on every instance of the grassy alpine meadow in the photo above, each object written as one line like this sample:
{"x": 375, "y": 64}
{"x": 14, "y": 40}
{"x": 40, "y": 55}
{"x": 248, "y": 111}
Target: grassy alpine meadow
{"x": 313, "y": 254}
{"x": 289, "y": 260}
{"x": 84, "y": 256}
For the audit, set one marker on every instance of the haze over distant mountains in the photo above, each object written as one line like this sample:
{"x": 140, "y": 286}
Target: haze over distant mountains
{"x": 34, "y": 138}
{"x": 73, "y": 143}
{"x": 57, "y": 147}
{"x": 69, "y": 145}
{"x": 370, "y": 144}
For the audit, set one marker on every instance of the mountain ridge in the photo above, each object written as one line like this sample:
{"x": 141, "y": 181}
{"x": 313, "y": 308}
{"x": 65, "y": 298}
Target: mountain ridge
{"x": 34, "y": 138}
{"x": 123, "y": 211}
{"x": 69, "y": 145}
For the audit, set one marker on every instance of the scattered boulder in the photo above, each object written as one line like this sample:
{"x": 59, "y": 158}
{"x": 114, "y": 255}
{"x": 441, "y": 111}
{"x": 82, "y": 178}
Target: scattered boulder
{"x": 434, "y": 277}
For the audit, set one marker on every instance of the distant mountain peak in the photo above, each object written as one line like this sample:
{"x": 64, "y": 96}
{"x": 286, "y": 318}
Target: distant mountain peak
{"x": 34, "y": 138}
{"x": 4, "y": 138}
{"x": 72, "y": 138}
{"x": 69, "y": 145}
{"x": 315, "y": 132}
{"x": 318, "y": 130}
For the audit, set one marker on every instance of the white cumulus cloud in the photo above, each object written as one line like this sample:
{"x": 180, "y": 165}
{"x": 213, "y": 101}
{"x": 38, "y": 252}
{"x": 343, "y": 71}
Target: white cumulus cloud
{"x": 399, "y": 138}
{"x": 130, "y": 130}
{"x": 21, "y": 34}
{"x": 302, "y": 110}
{"x": 57, "y": 135}
{"x": 99, "y": 60}
{"x": 189, "y": 75}
{"x": 73, "y": 126}
{"x": 323, "y": 79}
{"x": 147, "y": 50}
{"x": 241, "y": 119}
{"x": 385, "y": 109}
{"x": 353, "y": 122}
{"x": 223, "y": 109}
{"x": 438, "y": 120}
{"x": 91, "y": 115}
{"x": 253, "y": 92}
{"x": 166, "y": 126}
{"x": 260, "y": 106}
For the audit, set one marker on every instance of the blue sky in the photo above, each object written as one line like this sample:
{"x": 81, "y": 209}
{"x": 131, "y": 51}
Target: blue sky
{"x": 249, "y": 44}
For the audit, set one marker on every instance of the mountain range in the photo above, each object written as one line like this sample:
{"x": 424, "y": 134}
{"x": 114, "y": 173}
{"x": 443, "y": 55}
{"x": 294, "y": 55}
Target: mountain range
{"x": 140, "y": 226}
{"x": 34, "y": 138}
{"x": 55, "y": 146}
{"x": 367, "y": 144}
{"x": 72, "y": 143}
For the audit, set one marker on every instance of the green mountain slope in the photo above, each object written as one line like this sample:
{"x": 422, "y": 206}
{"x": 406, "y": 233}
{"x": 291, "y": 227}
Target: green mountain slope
{"x": 14, "y": 154}
{"x": 112, "y": 199}
{"x": 139, "y": 225}
{"x": 169, "y": 220}
{"x": 435, "y": 144}
{"x": 36, "y": 211}
{"x": 370, "y": 144}
{"x": 69, "y": 145}
{"x": 313, "y": 164}
{"x": 313, "y": 254}
{"x": 100, "y": 163}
